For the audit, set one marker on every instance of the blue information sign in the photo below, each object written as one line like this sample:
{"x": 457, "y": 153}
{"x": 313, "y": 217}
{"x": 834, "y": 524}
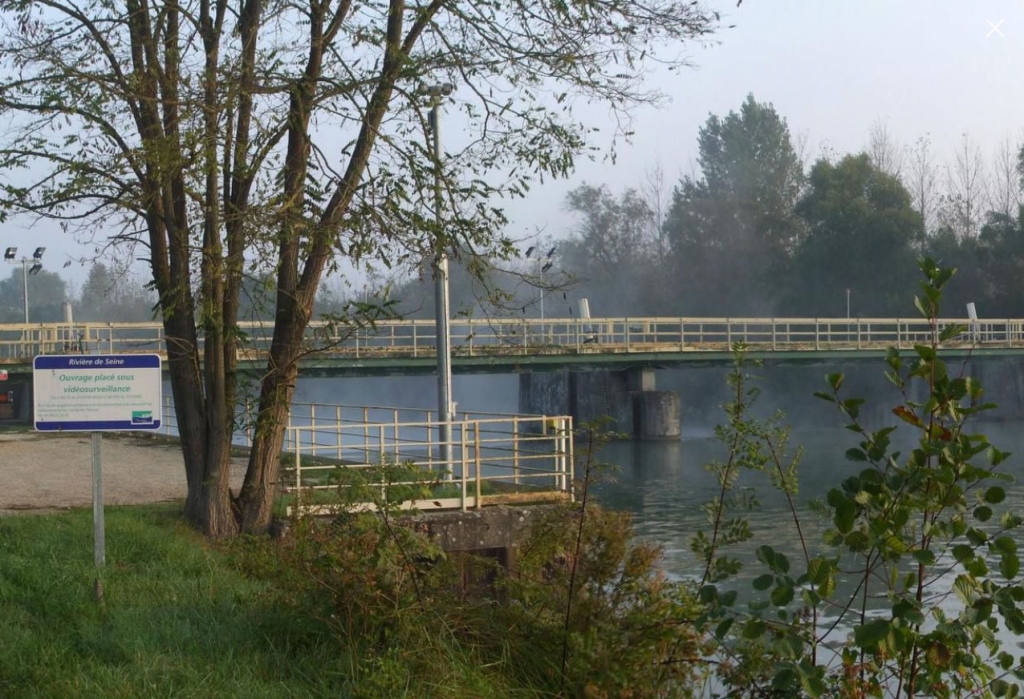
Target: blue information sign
{"x": 97, "y": 392}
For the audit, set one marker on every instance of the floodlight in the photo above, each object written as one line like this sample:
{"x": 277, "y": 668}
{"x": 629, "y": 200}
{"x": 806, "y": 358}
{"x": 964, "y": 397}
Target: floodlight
{"x": 9, "y": 253}
{"x": 38, "y": 254}
{"x": 35, "y": 269}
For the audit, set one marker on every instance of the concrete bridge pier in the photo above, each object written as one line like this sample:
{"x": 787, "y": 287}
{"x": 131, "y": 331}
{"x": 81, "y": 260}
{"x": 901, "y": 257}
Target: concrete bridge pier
{"x": 628, "y": 398}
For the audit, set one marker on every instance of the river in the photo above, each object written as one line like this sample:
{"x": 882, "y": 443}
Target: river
{"x": 664, "y": 486}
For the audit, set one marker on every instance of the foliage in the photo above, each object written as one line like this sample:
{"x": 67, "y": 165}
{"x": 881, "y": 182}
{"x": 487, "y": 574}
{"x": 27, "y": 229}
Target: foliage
{"x": 46, "y": 295}
{"x": 854, "y": 211}
{"x": 615, "y": 238}
{"x": 110, "y": 295}
{"x": 737, "y": 222}
{"x": 893, "y": 533}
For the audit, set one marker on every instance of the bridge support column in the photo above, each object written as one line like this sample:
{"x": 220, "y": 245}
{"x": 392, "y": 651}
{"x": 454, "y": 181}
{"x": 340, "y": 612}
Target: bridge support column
{"x": 628, "y": 398}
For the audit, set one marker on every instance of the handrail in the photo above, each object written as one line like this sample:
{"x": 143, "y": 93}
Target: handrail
{"x": 520, "y": 458}
{"x": 529, "y": 336}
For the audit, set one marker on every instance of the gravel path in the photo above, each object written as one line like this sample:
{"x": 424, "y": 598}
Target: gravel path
{"x": 48, "y": 472}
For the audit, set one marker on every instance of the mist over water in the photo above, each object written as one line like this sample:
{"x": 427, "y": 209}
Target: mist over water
{"x": 497, "y": 393}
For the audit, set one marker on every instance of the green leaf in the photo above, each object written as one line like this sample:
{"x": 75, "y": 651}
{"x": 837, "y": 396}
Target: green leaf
{"x": 855, "y": 454}
{"x": 782, "y": 595}
{"x": 754, "y": 628}
{"x": 1009, "y": 565}
{"x": 925, "y": 352}
{"x": 871, "y": 633}
{"x": 723, "y": 629}
{"x": 924, "y": 557}
{"x": 763, "y": 582}
{"x": 835, "y": 381}
{"x": 951, "y": 331}
{"x": 1004, "y": 544}
{"x": 995, "y": 495}
{"x": 963, "y": 552}
{"x": 983, "y": 513}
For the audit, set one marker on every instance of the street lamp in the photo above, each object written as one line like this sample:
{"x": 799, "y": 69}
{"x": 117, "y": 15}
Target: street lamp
{"x": 545, "y": 263}
{"x": 442, "y": 304}
{"x": 847, "y": 302}
{"x": 11, "y": 257}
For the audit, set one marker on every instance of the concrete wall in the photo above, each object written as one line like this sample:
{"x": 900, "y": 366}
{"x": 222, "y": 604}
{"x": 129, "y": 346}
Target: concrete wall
{"x": 626, "y": 398}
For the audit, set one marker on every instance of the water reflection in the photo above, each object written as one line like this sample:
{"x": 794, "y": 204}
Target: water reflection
{"x": 665, "y": 486}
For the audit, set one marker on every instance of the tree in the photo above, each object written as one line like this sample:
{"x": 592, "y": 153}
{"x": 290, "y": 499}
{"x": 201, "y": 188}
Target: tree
{"x": 920, "y": 180}
{"x": 885, "y": 151}
{"x": 613, "y": 249}
{"x": 862, "y": 229}
{"x": 1006, "y": 187}
{"x": 733, "y": 230}
{"x": 963, "y": 205}
{"x": 46, "y": 295}
{"x": 111, "y": 296}
{"x": 1001, "y": 244}
{"x": 221, "y": 134}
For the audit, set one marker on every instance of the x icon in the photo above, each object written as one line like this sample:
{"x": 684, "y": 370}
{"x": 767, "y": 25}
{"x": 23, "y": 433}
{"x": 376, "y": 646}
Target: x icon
{"x": 995, "y": 28}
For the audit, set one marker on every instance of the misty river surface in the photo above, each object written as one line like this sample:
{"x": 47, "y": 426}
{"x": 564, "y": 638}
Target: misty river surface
{"x": 665, "y": 485}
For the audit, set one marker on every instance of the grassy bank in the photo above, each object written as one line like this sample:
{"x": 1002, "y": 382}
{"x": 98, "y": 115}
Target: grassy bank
{"x": 356, "y": 608}
{"x": 177, "y": 620}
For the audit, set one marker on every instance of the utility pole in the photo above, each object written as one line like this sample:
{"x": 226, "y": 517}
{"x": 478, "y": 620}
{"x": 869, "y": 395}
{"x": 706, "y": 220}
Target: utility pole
{"x": 442, "y": 303}
{"x": 11, "y": 256}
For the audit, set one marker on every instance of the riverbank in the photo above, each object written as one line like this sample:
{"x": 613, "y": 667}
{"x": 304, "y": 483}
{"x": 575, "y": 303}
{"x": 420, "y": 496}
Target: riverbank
{"x": 48, "y": 472}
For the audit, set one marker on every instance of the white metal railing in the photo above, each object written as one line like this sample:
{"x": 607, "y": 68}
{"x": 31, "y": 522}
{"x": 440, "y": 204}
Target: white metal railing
{"x": 325, "y": 417}
{"x": 496, "y": 460}
{"x": 528, "y": 336}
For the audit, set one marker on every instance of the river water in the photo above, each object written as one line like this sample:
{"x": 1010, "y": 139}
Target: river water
{"x": 665, "y": 485}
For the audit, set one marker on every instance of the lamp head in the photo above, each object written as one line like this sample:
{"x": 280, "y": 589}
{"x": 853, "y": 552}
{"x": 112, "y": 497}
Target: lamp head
{"x": 38, "y": 254}
{"x": 35, "y": 268}
{"x": 9, "y": 253}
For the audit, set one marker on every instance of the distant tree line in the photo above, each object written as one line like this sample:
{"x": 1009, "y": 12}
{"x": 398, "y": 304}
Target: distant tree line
{"x": 758, "y": 230}
{"x": 755, "y": 232}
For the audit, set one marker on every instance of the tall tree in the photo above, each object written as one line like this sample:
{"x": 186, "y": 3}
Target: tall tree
{"x": 215, "y": 132}
{"x": 862, "y": 230}
{"x": 733, "y": 230}
{"x": 613, "y": 249}
{"x": 885, "y": 150}
{"x": 962, "y": 208}
{"x": 109, "y": 295}
{"x": 1005, "y": 190}
{"x": 921, "y": 180}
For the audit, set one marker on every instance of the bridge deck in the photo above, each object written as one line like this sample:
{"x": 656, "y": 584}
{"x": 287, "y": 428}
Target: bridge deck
{"x": 522, "y": 344}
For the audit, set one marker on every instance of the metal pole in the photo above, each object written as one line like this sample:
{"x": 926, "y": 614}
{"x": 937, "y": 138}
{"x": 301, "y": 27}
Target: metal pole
{"x": 541, "y": 262}
{"x": 97, "y": 499}
{"x": 441, "y": 300}
{"x": 847, "y": 303}
{"x": 24, "y": 282}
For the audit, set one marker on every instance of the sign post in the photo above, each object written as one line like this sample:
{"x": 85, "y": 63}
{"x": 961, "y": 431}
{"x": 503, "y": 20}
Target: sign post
{"x": 97, "y": 393}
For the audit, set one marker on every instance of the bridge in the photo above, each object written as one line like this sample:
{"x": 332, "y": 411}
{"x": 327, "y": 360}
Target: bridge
{"x": 503, "y": 345}
{"x": 579, "y": 368}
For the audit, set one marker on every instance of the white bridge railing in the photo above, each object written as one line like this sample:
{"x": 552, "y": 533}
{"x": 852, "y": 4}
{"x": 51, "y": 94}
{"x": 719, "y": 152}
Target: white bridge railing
{"x": 526, "y": 336}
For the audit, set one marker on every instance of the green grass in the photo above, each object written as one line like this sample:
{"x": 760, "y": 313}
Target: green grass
{"x": 177, "y": 620}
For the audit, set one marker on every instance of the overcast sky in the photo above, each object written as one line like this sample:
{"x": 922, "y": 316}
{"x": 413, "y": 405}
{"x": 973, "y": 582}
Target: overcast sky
{"x": 830, "y": 67}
